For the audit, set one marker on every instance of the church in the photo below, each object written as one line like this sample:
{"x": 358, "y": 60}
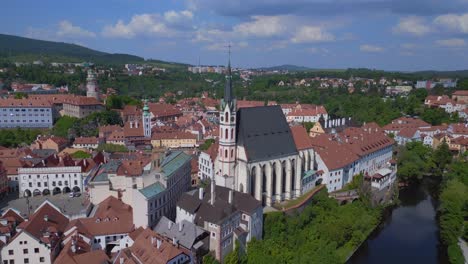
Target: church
{"x": 257, "y": 153}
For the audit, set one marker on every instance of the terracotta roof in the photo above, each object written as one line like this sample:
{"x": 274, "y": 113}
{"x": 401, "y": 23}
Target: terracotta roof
{"x": 82, "y": 100}
{"x": 213, "y": 150}
{"x": 145, "y": 249}
{"x": 44, "y": 223}
{"x": 333, "y": 154}
{"x": 86, "y": 140}
{"x": 363, "y": 141}
{"x": 81, "y": 254}
{"x": 407, "y": 132}
{"x": 301, "y": 138}
{"x": 163, "y": 110}
{"x": 246, "y": 103}
{"x": 318, "y": 110}
{"x": 132, "y": 168}
{"x": 10, "y": 102}
{"x": 112, "y": 217}
{"x": 461, "y": 93}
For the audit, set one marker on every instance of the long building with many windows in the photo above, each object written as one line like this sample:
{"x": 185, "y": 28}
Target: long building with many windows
{"x": 26, "y": 113}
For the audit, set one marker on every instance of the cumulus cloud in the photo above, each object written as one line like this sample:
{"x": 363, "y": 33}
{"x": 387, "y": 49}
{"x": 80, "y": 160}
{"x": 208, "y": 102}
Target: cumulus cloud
{"x": 310, "y": 34}
{"x": 458, "y": 23}
{"x": 371, "y": 48}
{"x": 67, "y": 29}
{"x": 451, "y": 43}
{"x": 262, "y": 26}
{"x": 150, "y": 25}
{"x": 412, "y": 25}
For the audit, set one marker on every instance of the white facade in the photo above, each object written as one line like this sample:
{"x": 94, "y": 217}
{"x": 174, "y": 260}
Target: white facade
{"x": 27, "y": 249}
{"x": 372, "y": 162}
{"x": 205, "y": 166}
{"x": 26, "y": 116}
{"x": 35, "y": 181}
{"x": 227, "y": 146}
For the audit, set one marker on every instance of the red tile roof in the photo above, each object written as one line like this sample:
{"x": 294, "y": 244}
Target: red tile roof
{"x": 301, "y": 138}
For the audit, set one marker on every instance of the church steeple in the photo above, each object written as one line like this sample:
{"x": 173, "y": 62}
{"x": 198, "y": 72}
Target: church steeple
{"x": 228, "y": 91}
{"x": 228, "y": 88}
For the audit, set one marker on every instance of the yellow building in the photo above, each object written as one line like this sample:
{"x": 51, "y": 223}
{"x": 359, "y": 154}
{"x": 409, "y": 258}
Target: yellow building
{"x": 174, "y": 140}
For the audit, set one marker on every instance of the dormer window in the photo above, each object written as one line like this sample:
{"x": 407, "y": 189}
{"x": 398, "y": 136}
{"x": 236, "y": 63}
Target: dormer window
{"x": 98, "y": 220}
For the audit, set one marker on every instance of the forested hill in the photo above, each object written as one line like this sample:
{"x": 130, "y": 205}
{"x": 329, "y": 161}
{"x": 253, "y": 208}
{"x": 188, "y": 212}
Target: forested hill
{"x": 26, "y": 49}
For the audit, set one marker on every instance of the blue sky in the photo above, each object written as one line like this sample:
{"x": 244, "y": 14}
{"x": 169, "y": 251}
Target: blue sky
{"x": 382, "y": 34}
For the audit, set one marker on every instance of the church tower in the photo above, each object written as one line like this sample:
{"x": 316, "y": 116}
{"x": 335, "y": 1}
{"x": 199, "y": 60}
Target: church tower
{"x": 227, "y": 134}
{"x": 91, "y": 85}
{"x": 146, "y": 120}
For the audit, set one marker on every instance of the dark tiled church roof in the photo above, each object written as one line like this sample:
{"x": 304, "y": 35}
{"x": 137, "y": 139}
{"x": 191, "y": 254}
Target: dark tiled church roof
{"x": 264, "y": 133}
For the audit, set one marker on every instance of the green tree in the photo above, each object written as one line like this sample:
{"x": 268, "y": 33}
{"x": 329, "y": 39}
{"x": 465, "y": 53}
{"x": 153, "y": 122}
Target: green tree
{"x": 111, "y": 148}
{"x": 441, "y": 158}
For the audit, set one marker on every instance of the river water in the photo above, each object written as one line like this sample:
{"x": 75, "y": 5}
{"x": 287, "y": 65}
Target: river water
{"x": 409, "y": 232}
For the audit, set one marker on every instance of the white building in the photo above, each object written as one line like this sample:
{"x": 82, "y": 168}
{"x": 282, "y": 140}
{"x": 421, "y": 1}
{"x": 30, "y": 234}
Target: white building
{"x": 65, "y": 177}
{"x": 27, "y": 113}
{"x": 39, "y": 239}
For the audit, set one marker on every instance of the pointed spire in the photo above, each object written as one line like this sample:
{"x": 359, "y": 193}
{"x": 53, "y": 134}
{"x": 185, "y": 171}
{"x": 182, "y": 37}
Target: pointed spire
{"x": 228, "y": 88}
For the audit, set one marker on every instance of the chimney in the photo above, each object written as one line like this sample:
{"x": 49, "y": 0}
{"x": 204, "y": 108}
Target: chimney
{"x": 73, "y": 246}
{"x": 231, "y": 194}
{"x": 181, "y": 226}
{"x": 213, "y": 194}
{"x": 122, "y": 260}
{"x": 201, "y": 193}
{"x": 153, "y": 239}
{"x": 46, "y": 218}
{"x": 174, "y": 241}
{"x": 169, "y": 224}
{"x": 158, "y": 243}
{"x": 131, "y": 124}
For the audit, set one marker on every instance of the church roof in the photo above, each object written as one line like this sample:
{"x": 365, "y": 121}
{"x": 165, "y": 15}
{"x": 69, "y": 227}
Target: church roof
{"x": 264, "y": 133}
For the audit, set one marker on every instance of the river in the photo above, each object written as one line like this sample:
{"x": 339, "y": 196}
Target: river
{"x": 409, "y": 232}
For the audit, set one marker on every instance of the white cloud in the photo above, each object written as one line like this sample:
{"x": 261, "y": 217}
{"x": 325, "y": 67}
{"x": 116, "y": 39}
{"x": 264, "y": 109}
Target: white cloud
{"x": 413, "y": 26}
{"x": 175, "y": 17}
{"x": 371, "y": 48}
{"x": 150, "y": 25}
{"x": 310, "y": 34}
{"x": 262, "y": 26}
{"x": 453, "y": 22}
{"x": 67, "y": 29}
{"x": 451, "y": 43}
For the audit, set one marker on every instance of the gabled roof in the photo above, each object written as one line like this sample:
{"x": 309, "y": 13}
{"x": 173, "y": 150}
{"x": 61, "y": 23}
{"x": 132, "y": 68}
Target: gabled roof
{"x": 46, "y": 220}
{"x": 264, "y": 133}
{"x": 301, "y": 138}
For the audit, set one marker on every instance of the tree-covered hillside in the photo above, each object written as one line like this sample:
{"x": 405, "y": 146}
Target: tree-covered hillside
{"x": 26, "y": 49}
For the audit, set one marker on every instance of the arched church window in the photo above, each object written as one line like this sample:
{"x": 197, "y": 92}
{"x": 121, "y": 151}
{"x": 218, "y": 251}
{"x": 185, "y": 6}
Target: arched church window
{"x": 232, "y": 133}
{"x": 232, "y": 153}
{"x": 226, "y": 133}
{"x": 225, "y": 153}
{"x": 226, "y": 116}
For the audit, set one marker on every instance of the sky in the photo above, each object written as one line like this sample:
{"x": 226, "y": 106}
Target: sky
{"x": 403, "y": 35}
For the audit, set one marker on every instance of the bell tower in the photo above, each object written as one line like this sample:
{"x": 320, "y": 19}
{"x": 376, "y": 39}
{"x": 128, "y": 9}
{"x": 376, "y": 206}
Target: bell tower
{"x": 227, "y": 133}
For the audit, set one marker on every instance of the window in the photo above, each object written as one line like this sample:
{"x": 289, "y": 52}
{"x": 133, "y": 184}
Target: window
{"x": 26, "y": 261}
{"x": 10, "y": 252}
{"x": 225, "y": 155}
{"x": 36, "y": 250}
{"x": 25, "y": 251}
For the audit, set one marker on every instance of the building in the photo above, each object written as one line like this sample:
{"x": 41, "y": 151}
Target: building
{"x": 225, "y": 214}
{"x": 150, "y": 247}
{"x": 86, "y": 142}
{"x": 151, "y": 186}
{"x": 81, "y": 107}
{"x": 38, "y": 240}
{"x": 206, "y": 162}
{"x": 177, "y": 139}
{"x": 26, "y": 113}
{"x": 50, "y": 142}
{"x": 256, "y": 151}
{"x": 302, "y": 115}
{"x": 460, "y": 96}
{"x": 51, "y": 176}
{"x": 110, "y": 222}
{"x": 187, "y": 234}
{"x": 444, "y": 102}
{"x": 4, "y": 181}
